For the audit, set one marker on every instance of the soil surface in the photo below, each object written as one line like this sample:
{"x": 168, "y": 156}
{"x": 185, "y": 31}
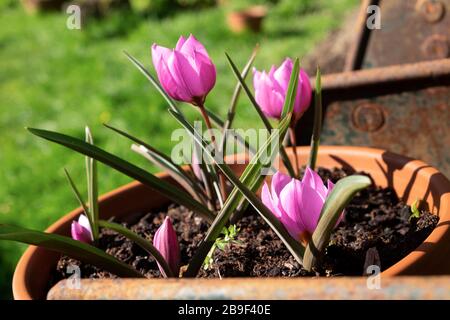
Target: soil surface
{"x": 377, "y": 229}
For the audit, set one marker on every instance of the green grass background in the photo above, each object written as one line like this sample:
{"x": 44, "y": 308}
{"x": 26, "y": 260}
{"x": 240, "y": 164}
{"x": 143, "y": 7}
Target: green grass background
{"x": 60, "y": 79}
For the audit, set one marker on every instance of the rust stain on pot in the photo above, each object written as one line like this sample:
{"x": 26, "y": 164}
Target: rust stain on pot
{"x": 251, "y": 288}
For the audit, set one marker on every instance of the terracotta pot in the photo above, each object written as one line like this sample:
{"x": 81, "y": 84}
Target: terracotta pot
{"x": 411, "y": 179}
{"x": 248, "y": 19}
{"x": 33, "y": 6}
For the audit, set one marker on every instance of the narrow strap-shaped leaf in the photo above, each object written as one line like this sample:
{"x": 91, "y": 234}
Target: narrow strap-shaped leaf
{"x": 77, "y": 195}
{"x": 72, "y": 248}
{"x": 164, "y": 162}
{"x": 161, "y": 157}
{"x": 283, "y": 154}
{"x": 232, "y": 108}
{"x": 209, "y": 179}
{"x": 337, "y": 200}
{"x": 92, "y": 186}
{"x": 143, "y": 243}
{"x": 249, "y": 93}
{"x": 291, "y": 91}
{"x": 315, "y": 138}
{"x": 216, "y": 119}
{"x": 172, "y": 192}
{"x": 204, "y": 178}
{"x": 196, "y": 192}
{"x": 207, "y": 168}
{"x": 237, "y": 136}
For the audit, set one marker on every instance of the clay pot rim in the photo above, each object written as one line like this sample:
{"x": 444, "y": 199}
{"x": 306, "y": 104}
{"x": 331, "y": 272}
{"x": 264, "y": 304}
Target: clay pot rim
{"x": 18, "y": 284}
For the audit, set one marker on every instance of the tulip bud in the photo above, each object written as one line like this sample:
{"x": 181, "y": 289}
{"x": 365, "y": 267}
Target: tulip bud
{"x": 271, "y": 89}
{"x": 81, "y": 230}
{"x": 186, "y": 73}
{"x": 166, "y": 241}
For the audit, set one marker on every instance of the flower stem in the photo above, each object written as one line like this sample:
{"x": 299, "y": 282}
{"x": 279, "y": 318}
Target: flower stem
{"x": 213, "y": 139}
{"x": 294, "y": 148}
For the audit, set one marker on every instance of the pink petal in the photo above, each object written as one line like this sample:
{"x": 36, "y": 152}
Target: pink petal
{"x": 270, "y": 100}
{"x": 311, "y": 204}
{"x": 305, "y": 91}
{"x": 159, "y": 54}
{"x": 314, "y": 181}
{"x": 166, "y": 241}
{"x": 270, "y": 89}
{"x": 283, "y": 74}
{"x": 84, "y": 222}
{"x": 206, "y": 72}
{"x": 80, "y": 233}
{"x": 266, "y": 198}
{"x": 279, "y": 181}
{"x": 188, "y": 75}
{"x": 256, "y": 77}
{"x": 180, "y": 43}
{"x": 172, "y": 85}
{"x": 190, "y": 46}
{"x": 289, "y": 200}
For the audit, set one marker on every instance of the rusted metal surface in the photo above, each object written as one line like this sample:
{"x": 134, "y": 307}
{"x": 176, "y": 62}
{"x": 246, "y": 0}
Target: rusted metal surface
{"x": 432, "y": 11}
{"x": 411, "y": 31}
{"x": 355, "y": 56}
{"x": 386, "y": 80}
{"x": 436, "y": 46}
{"x": 413, "y": 123}
{"x": 402, "y": 108}
{"x": 400, "y": 99}
{"x": 368, "y": 117}
{"x": 391, "y": 288}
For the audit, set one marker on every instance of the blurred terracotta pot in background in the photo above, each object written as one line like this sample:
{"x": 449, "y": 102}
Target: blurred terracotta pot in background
{"x": 247, "y": 19}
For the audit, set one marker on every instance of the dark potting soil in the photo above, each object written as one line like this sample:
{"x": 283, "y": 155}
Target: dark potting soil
{"x": 377, "y": 229}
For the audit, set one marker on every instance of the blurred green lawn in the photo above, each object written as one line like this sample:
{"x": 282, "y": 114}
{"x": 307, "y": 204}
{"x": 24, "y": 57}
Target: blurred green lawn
{"x": 60, "y": 79}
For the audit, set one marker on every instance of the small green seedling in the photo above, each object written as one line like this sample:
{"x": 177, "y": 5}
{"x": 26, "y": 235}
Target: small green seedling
{"x": 415, "y": 212}
{"x": 229, "y": 237}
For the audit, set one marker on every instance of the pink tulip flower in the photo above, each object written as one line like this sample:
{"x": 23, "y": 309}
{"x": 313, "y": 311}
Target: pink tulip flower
{"x": 186, "y": 73}
{"x": 81, "y": 230}
{"x": 270, "y": 90}
{"x": 297, "y": 204}
{"x": 166, "y": 241}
